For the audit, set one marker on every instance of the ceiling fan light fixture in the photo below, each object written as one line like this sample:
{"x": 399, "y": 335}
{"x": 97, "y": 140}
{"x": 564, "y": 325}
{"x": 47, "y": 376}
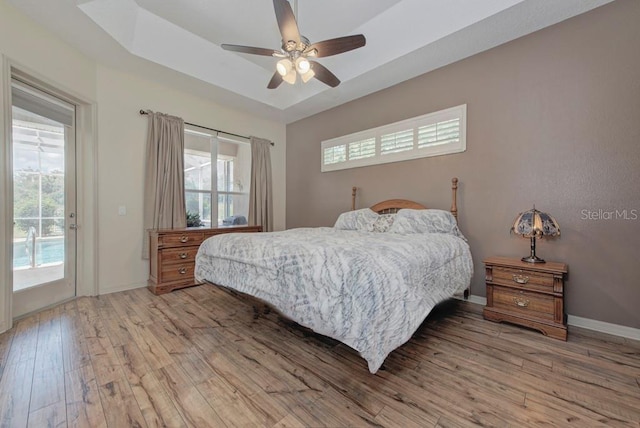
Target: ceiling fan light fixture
{"x": 284, "y": 67}
{"x": 302, "y": 65}
{"x": 307, "y": 76}
{"x": 296, "y": 50}
{"x": 290, "y": 77}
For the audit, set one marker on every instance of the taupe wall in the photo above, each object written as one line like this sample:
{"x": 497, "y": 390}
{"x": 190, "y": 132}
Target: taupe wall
{"x": 553, "y": 119}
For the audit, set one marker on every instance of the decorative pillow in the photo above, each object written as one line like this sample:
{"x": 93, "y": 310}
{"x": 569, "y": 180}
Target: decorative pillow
{"x": 425, "y": 221}
{"x": 382, "y": 223}
{"x": 356, "y": 220}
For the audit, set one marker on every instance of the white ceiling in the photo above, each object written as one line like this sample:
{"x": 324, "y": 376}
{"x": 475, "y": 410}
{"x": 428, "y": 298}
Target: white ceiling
{"x": 178, "y": 42}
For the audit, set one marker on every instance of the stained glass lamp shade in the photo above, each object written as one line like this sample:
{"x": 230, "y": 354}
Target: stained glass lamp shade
{"x": 535, "y": 224}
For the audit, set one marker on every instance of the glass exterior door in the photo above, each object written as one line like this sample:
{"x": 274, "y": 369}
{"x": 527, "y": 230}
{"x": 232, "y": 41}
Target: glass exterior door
{"x": 43, "y": 166}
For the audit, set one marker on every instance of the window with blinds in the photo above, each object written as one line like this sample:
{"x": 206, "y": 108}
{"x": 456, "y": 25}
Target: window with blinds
{"x": 396, "y": 142}
{"x": 335, "y": 154}
{"x": 433, "y": 134}
{"x": 444, "y": 132}
{"x": 362, "y": 149}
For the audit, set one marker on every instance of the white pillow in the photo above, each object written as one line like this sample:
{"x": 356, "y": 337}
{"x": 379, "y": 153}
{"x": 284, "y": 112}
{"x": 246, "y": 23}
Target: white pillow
{"x": 382, "y": 224}
{"x": 425, "y": 221}
{"x": 356, "y": 220}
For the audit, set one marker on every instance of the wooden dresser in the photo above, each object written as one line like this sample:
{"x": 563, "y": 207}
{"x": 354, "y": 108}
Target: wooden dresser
{"x": 172, "y": 255}
{"x": 528, "y": 294}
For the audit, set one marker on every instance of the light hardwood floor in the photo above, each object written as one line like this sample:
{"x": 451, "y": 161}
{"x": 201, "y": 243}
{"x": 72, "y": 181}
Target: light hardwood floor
{"x": 197, "y": 357}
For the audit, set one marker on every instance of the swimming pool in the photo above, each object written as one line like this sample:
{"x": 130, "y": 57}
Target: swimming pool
{"x": 48, "y": 251}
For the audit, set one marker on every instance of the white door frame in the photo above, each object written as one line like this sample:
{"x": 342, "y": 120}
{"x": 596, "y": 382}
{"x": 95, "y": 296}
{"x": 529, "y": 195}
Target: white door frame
{"x": 52, "y": 289}
{"x": 87, "y": 187}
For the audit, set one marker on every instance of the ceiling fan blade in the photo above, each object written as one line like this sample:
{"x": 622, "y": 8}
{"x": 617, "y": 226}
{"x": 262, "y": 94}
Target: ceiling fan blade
{"x": 337, "y": 46}
{"x": 275, "y": 81}
{"x": 249, "y": 50}
{"x": 286, "y": 21}
{"x": 323, "y": 74}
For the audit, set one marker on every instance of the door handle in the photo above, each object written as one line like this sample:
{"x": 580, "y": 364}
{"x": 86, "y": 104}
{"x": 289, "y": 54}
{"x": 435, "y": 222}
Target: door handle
{"x": 74, "y": 226}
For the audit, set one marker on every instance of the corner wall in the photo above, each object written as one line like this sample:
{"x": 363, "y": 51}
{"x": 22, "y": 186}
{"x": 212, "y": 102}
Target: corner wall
{"x": 119, "y": 157}
{"x": 122, "y": 138}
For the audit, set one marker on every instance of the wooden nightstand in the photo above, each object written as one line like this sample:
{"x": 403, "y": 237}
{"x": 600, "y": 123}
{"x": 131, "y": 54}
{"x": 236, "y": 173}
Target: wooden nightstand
{"x": 527, "y": 294}
{"x": 172, "y": 255}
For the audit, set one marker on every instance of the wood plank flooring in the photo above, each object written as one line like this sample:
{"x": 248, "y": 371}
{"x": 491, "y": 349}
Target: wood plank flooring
{"x": 198, "y": 358}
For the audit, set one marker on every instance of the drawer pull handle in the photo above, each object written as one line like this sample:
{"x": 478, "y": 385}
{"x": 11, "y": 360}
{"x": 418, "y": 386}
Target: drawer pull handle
{"x": 521, "y": 279}
{"x": 523, "y": 303}
{"x": 182, "y": 270}
{"x": 184, "y": 238}
{"x": 183, "y": 255}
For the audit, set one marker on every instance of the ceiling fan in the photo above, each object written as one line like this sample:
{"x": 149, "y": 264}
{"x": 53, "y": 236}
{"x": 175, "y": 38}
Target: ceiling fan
{"x": 296, "y": 51}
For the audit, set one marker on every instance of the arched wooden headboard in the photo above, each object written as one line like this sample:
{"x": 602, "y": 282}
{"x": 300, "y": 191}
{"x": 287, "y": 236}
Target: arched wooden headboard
{"x": 393, "y": 205}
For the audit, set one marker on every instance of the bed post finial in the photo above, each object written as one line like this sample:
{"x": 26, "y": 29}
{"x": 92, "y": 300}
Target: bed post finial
{"x": 353, "y": 198}
{"x": 454, "y": 195}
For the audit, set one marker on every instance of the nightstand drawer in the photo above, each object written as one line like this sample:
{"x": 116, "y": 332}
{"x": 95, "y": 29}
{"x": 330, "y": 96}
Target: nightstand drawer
{"x": 178, "y": 255}
{"x": 524, "y": 303}
{"x": 537, "y": 281}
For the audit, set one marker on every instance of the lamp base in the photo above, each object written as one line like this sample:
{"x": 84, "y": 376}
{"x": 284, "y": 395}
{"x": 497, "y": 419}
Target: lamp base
{"x": 532, "y": 259}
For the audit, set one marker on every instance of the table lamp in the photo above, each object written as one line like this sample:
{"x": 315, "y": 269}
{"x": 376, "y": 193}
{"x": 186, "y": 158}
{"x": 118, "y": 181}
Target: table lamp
{"x": 535, "y": 224}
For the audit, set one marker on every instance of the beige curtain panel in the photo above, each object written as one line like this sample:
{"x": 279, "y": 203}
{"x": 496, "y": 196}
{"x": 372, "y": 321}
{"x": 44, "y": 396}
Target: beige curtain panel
{"x": 260, "y": 194}
{"x": 164, "y": 204}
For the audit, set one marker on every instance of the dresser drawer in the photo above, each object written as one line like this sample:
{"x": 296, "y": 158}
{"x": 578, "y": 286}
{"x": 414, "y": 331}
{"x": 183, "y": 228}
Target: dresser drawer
{"x": 536, "y": 305}
{"x": 178, "y": 255}
{"x": 537, "y": 281}
{"x": 172, "y": 255}
{"x": 181, "y": 239}
{"x": 177, "y": 272}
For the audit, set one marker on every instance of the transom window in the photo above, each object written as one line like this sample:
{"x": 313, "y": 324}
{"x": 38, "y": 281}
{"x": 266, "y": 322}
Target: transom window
{"x": 216, "y": 169}
{"x": 432, "y": 134}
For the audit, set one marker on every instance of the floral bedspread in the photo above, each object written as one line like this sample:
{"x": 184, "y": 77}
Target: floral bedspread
{"x": 368, "y": 290}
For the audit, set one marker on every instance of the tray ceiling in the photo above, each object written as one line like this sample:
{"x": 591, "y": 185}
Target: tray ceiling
{"x": 178, "y": 42}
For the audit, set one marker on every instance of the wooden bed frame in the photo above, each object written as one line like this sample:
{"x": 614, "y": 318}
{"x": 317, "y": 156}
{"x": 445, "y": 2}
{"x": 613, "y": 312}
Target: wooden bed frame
{"x": 392, "y": 206}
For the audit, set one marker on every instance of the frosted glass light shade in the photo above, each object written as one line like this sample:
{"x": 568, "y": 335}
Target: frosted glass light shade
{"x": 302, "y": 65}
{"x": 307, "y": 76}
{"x": 283, "y": 67}
{"x": 290, "y": 77}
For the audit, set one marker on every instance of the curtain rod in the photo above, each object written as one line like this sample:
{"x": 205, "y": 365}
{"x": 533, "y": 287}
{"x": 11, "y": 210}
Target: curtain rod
{"x": 212, "y": 129}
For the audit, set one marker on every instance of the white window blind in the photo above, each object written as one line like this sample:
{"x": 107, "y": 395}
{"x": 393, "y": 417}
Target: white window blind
{"x": 362, "y": 149}
{"x": 432, "y": 134}
{"x": 335, "y": 154}
{"x": 444, "y": 132}
{"x": 396, "y": 142}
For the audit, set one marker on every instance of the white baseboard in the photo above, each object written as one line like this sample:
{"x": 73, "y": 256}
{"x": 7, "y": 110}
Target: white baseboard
{"x": 125, "y": 287}
{"x": 586, "y": 323}
{"x": 604, "y": 327}
{"x": 478, "y": 300}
